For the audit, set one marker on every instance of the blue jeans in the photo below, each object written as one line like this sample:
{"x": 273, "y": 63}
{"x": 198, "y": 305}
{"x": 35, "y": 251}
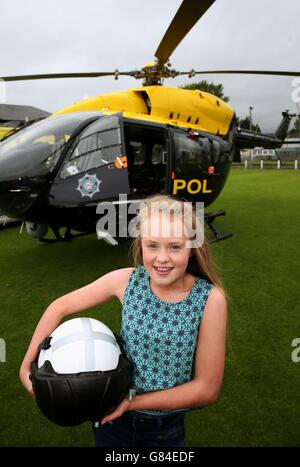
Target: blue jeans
{"x": 135, "y": 429}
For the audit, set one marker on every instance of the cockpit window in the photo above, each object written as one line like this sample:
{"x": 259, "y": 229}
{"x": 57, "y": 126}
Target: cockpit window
{"x": 97, "y": 145}
{"x": 34, "y": 150}
{"x": 193, "y": 154}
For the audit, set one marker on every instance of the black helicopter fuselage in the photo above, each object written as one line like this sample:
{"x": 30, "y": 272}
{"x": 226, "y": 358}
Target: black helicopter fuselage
{"x": 58, "y": 170}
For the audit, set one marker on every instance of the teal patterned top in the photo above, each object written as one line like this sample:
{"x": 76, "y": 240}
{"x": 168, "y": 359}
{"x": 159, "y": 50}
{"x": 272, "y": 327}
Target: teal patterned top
{"x": 160, "y": 338}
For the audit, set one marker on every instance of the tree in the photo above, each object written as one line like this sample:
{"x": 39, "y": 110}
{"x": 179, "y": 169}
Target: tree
{"x": 216, "y": 89}
{"x": 245, "y": 123}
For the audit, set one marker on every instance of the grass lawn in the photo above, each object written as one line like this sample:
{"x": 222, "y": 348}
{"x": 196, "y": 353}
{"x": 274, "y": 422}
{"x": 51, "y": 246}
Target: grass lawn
{"x": 260, "y": 400}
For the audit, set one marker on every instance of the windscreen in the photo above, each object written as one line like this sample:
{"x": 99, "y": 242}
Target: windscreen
{"x": 34, "y": 150}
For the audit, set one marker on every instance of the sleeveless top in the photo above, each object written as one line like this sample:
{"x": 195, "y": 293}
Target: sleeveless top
{"x": 160, "y": 338}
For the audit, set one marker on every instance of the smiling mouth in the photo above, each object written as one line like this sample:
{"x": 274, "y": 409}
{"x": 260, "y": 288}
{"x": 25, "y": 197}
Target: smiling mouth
{"x": 162, "y": 270}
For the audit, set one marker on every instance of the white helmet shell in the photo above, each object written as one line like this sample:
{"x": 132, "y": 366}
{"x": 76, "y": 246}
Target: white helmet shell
{"x": 81, "y": 345}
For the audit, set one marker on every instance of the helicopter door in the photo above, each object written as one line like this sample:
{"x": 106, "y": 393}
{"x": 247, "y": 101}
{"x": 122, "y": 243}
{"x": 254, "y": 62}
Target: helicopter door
{"x": 190, "y": 162}
{"x": 95, "y": 167}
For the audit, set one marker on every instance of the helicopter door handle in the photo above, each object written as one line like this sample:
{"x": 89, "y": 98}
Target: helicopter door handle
{"x": 20, "y": 190}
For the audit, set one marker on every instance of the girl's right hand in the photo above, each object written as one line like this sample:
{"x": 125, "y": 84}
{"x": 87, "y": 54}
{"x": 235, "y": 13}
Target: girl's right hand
{"x": 25, "y": 380}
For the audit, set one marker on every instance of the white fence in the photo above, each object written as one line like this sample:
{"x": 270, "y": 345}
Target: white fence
{"x": 2, "y": 351}
{"x": 277, "y": 164}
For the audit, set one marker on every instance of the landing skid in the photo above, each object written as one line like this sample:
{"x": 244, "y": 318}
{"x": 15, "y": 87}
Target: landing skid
{"x": 66, "y": 237}
{"x": 209, "y": 218}
{"x": 217, "y": 236}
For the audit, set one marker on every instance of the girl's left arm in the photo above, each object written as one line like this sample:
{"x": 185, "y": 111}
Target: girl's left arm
{"x": 209, "y": 367}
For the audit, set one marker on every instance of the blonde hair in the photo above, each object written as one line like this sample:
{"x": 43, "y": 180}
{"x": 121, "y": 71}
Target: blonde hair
{"x": 200, "y": 263}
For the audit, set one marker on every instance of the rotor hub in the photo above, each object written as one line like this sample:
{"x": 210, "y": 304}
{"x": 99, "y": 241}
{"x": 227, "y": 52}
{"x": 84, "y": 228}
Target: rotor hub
{"x": 153, "y": 73}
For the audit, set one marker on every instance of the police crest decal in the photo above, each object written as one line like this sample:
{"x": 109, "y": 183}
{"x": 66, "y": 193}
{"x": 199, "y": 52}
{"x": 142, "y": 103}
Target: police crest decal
{"x": 88, "y": 185}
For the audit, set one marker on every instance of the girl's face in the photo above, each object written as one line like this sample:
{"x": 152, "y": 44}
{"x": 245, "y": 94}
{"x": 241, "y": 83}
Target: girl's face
{"x": 165, "y": 249}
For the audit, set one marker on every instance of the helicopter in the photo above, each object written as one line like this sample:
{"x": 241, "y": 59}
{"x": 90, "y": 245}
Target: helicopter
{"x": 143, "y": 141}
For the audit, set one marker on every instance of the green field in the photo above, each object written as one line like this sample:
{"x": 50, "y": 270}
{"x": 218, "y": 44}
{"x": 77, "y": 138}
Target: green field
{"x": 260, "y": 400}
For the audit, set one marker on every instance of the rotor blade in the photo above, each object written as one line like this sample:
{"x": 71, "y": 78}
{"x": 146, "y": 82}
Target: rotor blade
{"x": 186, "y": 17}
{"x": 65, "y": 75}
{"x": 242, "y": 72}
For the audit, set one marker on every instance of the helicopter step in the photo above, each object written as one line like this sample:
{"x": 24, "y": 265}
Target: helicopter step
{"x": 217, "y": 235}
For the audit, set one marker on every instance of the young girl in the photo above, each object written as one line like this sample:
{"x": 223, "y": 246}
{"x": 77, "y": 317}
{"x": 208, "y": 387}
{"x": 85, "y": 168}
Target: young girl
{"x": 173, "y": 329}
